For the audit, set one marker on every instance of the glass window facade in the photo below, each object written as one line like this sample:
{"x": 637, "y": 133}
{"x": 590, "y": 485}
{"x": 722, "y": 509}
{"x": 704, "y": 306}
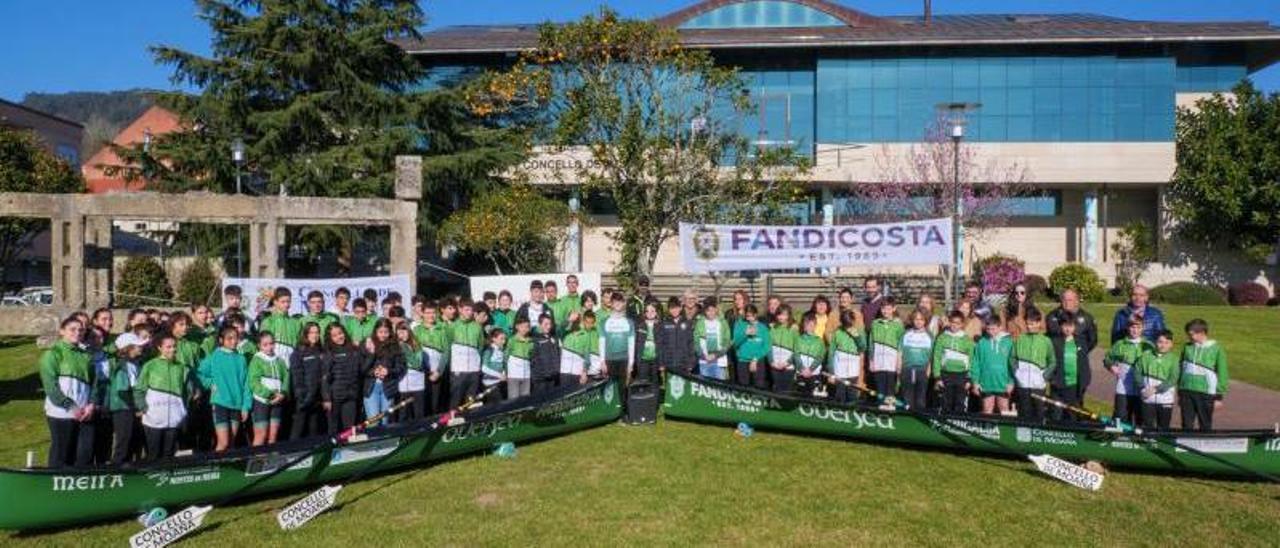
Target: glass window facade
{"x": 784, "y": 106}
{"x": 762, "y": 14}
{"x": 1097, "y": 98}
{"x": 850, "y": 208}
{"x": 1209, "y": 78}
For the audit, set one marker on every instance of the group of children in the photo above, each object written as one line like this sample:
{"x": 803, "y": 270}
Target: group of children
{"x": 190, "y": 380}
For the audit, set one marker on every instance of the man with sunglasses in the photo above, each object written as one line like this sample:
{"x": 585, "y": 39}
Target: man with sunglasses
{"x": 1139, "y": 305}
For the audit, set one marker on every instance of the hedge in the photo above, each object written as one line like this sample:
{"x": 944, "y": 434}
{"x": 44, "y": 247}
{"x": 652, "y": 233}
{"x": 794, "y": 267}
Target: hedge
{"x": 1248, "y": 294}
{"x": 142, "y": 283}
{"x": 1188, "y": 293}
{"x": 1080, "y": 278}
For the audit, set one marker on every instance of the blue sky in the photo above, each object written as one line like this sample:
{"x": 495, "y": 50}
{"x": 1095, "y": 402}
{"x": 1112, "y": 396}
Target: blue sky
{"x": 95, "y": 45}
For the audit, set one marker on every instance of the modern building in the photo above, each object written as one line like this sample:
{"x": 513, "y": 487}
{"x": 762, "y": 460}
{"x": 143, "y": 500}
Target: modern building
{"x": 1086, "y": 103}
{"x": 59, "y": 135}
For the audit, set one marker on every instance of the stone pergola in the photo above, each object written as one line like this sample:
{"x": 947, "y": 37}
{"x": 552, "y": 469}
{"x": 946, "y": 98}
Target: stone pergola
{"x": 81, "y": 248}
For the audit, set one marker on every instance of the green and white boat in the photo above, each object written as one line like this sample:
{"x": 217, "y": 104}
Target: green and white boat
{"x": 710, "y": 401}
{"x": 39, "y": 498}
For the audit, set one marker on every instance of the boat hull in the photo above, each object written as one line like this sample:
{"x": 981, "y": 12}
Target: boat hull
{"x": 41, "y": 498}
{"x": 706, "y": 400}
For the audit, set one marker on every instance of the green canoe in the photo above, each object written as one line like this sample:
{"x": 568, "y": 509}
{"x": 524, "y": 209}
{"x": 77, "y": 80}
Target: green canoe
{"x": 44, "y": 498}
{"x": 704, "y": 400}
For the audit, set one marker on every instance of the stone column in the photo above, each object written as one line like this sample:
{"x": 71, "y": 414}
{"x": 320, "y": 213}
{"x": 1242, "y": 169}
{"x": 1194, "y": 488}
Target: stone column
{"x": 98, "y": 256}
{"x": 264, "y": 249}
{"x": 66, "y": 254}
{"x": 404, "y": 250}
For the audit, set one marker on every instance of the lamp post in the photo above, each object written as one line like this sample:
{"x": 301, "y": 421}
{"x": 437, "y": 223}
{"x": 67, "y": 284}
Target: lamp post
{"x": 955, "y": 115}
{"x": 237, "y": 156}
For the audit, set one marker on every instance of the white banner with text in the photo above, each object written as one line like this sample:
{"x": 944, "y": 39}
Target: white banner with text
{"x": 257, "y": 291}
{"x": 734, "y": 248}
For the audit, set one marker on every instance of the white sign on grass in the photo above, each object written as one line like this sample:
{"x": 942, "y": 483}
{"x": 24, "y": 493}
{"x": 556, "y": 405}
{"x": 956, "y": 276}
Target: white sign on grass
{"x": 299, "y": 513}
{"x": 171, "y": 529}
{"x": 1073, "y": 474}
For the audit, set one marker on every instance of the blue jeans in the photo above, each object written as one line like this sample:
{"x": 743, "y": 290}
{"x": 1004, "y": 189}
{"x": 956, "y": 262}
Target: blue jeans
{"x": 376, "y": 402}
{"x": 712, "y": 370}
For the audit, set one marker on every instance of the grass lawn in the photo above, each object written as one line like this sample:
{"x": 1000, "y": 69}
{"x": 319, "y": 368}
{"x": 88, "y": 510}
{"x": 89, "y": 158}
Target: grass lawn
{"x": 683, "y": 484}
{"x": 1250, "y": 335}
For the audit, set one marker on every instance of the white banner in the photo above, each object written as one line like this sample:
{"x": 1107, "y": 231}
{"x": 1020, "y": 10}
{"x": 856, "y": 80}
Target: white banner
{"x": 257, "y": 291}
{"x": 733, "y": 248}
{"x": 518, "y": 285}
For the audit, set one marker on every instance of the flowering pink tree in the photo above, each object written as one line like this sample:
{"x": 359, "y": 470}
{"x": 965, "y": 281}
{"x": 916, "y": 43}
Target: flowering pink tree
{"x": 920, "y": 184}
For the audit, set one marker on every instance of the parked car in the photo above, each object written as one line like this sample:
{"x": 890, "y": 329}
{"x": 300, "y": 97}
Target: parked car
{"x": 12, "y": 300}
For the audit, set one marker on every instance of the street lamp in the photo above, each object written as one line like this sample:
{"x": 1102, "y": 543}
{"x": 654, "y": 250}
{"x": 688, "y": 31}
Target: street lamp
{"x": 237, "y": 156}
{"x": 955, "y": 118}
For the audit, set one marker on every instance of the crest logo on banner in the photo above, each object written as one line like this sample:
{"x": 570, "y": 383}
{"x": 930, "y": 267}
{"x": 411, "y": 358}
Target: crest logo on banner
{"x": 677, "y": 387}
{"x": 706, "y": 243}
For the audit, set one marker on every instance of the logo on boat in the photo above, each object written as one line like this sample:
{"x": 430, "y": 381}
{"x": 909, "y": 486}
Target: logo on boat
{"x": 364, "y": 451}
{"x": 185, "y": 476}
{"x": 608, "y": 394}
{"x": 1215, "y": 445}
{"x": 87, "y": 483}
{"x": 677, "y": 387}
{"x": 1272, "y": 445}
{"x": 266, "y": 464}
{"x": 733, "y": 400}
{"x": 966, "y": 428}
{"x": 860, "y": 419}
{"x": 487, "y": 429}
{"x": 1050, "y": 437}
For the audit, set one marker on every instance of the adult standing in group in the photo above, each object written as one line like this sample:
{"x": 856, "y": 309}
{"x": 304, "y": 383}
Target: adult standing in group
{"x": 1086, "y": 333}
{"x": 1014, "y": 313}
{"x": 1138, "y": 305}
{"x": 871, "y": 302}
{"x": 981, "y": 309}
{"x": 566, "y": 308}
{"x": 635, "y": 306}
{"x": 932, "y": 320}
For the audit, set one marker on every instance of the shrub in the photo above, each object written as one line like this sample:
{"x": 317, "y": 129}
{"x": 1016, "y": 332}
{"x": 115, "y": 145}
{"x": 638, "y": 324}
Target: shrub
{"x": 1274, "y": 301}
{"x": 199, "y": 285}
{"x": 999, "y": 273}
{"x": 1247, "y": 294}
{"x": 1037, "y": 286}
{"x": 142, "y": 282}
{"x": 1080, "y": 278}
{"x": 1188, "y": 293}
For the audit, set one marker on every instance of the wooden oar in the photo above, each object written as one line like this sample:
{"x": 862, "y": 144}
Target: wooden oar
{"x": 1052, "y": 466}
{"x": 1137, "y": 432}
{"x": 303, "y": 510}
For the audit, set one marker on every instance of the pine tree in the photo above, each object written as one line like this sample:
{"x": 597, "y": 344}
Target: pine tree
{"x": 323, "y": 99}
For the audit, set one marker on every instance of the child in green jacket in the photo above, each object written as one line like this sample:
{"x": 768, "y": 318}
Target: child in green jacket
{"x": 989, "y": 376}
{"x": 161, "y": 394}
{"x": 751, "y": 346}
{"x": 712, "y": 336}
{"x": 917, "y": 353}
{"x": 885, "y": 353}
{"x": 269, "y": 383}
{"x": 951, "y": 356}
{"x": 1121, "y": 361}
{"x": 1033, "y": 363}
{"x": 225, "y": 376}
{"x": 845, "y": 358}
{"x": 782, "y": 339}
{"x": 809, "y": 355}
{"x": 1157, "y": 375}
{"x": 493, "y": 364}
{"x": 1204, "y": 379}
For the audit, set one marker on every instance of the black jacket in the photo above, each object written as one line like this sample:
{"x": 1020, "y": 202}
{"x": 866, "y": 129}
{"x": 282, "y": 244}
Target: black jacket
{"x": 544, "y": 362}
{"x": 393, "y": 360}
{"x": 306, "y": 372}
{"x": 1086, "y": 329}
{"x": 523, "y": 312}
{"x": 1058, "y": 378}
{"x": 675, "y": 343}
{"x": 344, "y": 372}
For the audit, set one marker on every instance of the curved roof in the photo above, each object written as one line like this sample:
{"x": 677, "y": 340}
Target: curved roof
{"x": 847, "y": 16}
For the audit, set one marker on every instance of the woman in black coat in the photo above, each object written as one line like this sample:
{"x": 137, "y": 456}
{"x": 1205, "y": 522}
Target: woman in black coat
{"x": 306, "y": 374}
{"x": 340, "y": 385}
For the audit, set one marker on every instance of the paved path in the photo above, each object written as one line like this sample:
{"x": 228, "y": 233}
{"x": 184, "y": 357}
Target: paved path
{"x": 1247, "y": 406}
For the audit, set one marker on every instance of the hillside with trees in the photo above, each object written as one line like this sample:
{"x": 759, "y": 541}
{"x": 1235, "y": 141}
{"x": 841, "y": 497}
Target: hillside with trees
{"x": 103, "y": 113}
